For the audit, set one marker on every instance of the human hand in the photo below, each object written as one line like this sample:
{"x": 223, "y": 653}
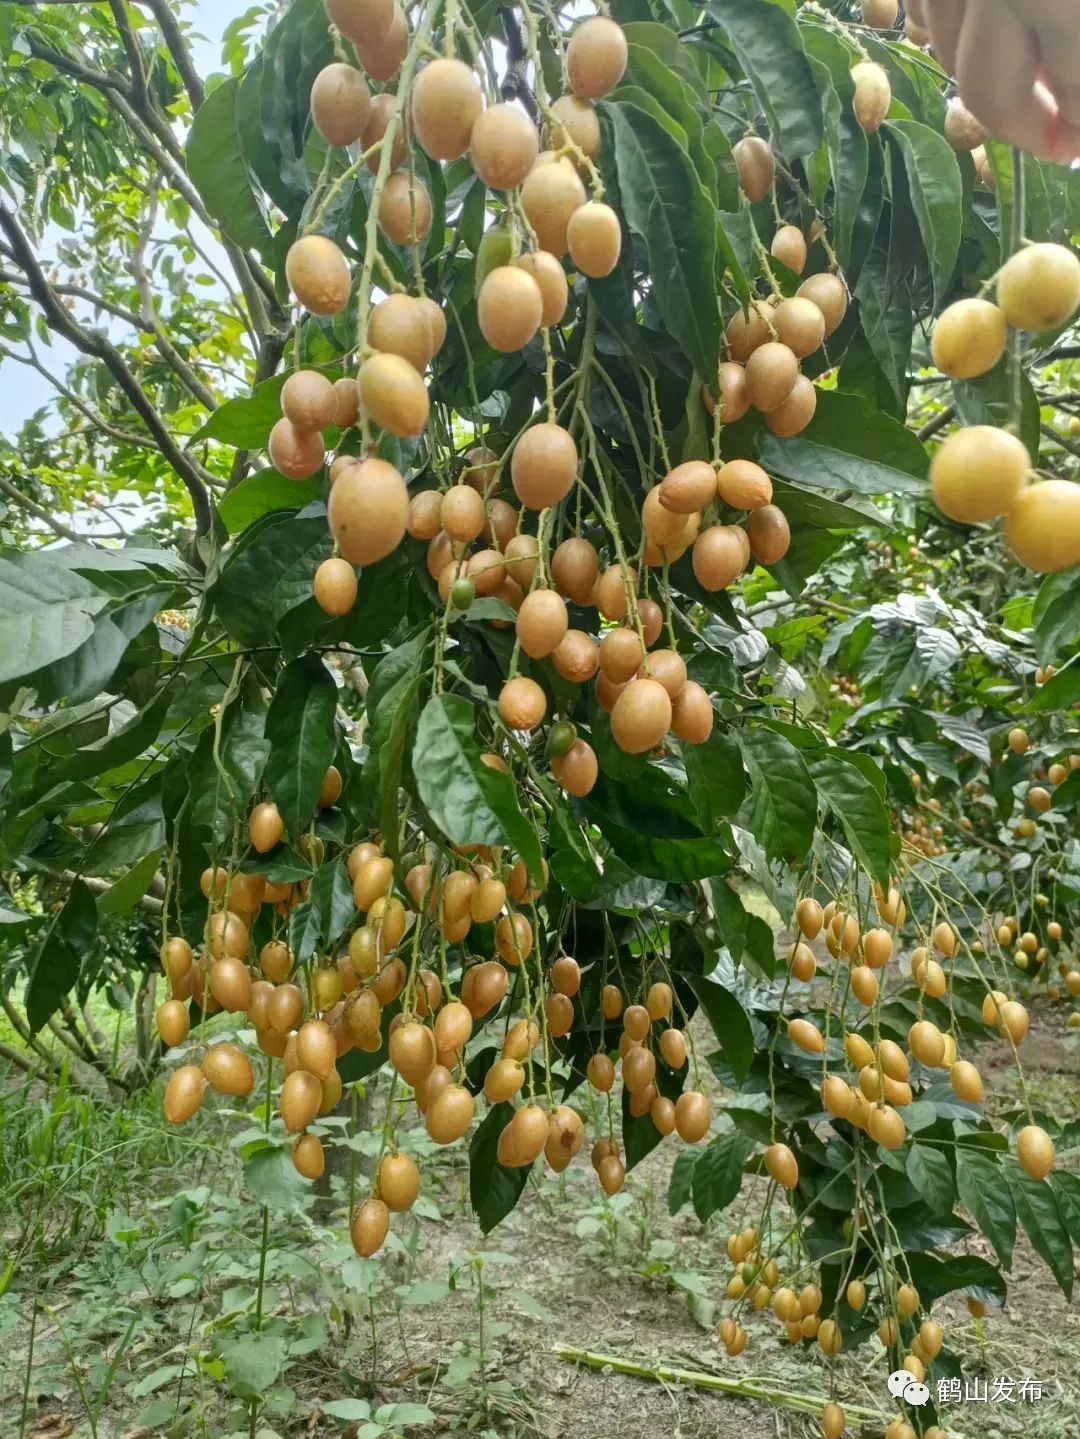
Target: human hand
{"x": 1017, "y": 65}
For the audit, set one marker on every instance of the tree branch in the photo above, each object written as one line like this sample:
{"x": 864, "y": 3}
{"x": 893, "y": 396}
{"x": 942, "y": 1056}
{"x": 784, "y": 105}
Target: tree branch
{"x": 938, "y": 422}
{"x": 177, "y": 47}
{"x": 17, "y": 496}
{"x": 139, "y": 95}
{"x": 90, "y": 343}
{"x": 98, "y": 421}
{"x": 515, "y": 83}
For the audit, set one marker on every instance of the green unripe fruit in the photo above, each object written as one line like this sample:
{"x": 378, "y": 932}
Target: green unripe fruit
{"x": 462, "y": 594}
{"x": 562, "y": 738}
{"x": 492, "y": 253}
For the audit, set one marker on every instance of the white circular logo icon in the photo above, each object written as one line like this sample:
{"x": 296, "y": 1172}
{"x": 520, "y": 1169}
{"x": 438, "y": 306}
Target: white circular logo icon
{"x": 904, "y": 1385}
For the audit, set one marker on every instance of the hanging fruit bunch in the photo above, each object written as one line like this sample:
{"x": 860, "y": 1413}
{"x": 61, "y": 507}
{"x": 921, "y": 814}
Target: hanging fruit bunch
{"x": 565, "y": 390}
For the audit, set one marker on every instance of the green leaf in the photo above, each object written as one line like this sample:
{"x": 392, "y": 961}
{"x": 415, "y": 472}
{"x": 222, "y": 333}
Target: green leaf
{"x": 348, "y": 1410}
{"x": 849, "y": 446}
{"x": 269, "y": 576}
{"x": 1059, "y": 693}
{"x": 254, "y": 1365}
{"x": 215, "y": 163}
{"x": 262, "y": 493}
{"x": 135, "y": 827}
{"x": 301, "y": 734}
{"x": 321, "y": 918}
{"x": 715, "y": 780}
{"x": 127, "y": 743}
{"x": 681, "y": 1182}
{"x": 987, "y": 400}
{"x": 245, "y": 422}
{"x": 849, "y": 159}
{"x": 860, "y": 811}
{"x": 931, "y": 1173}
{"x": 718, "y": 1172}
{"x": 963, "y": 1273}
{"x": 769, "y": 50}
{"x": 126, "y": 893}
{"x": 470, "y": 803}
{"x": 272, "y": 1181}
{"x": 1056, "y": 616}
{"x": 665, "y": 206}
{"x": 729, "y": 1023}
{"x": 46, "y": 613}
{"x": 982, "y": 1191}
{"x": 1039, "y": 1215}
{"x": 937, "y": 194}
{"x": 393, "y": 727}
{"x": 493, "y": 1189}
{"x": 64, "y": 949}
{"x": 783, "y": 801}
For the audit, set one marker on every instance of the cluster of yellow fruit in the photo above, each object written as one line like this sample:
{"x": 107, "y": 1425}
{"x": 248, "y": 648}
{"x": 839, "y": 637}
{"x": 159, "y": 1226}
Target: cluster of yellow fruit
{"x": 312, "y": 1018}
{"x": 982, "y": 472}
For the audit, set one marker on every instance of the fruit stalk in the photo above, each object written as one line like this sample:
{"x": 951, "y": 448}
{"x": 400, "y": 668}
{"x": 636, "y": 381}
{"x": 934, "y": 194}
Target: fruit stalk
{"x": 1016, "y": 240}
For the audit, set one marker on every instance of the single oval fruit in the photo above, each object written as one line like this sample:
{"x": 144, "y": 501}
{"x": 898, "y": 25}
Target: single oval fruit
{"x": 596, "y": 57}
{"x": 405, "y": 209}
{"x": 173, "y": 1022}
{"x": 551, "y": 278}
{"x": 771, "y": 372}
{"x": 692, "y": 1116}
{"x": 873, "y": 95}
{"x": 398, "y": 1181}
{"x": 969, "y": 339}
{"x": 503, "y": 146}
{"x": 450, "y": 1114}
{"x": 184, "y": 1093}
{"x": 1038, "y": 288}
{"x": 595, "y": 239}
{"x": 544, "y": 466}
{"x": 551, "y": 193}
{"x": 731, "y": 389}
{"x": 509, "y": 308}
{"x": 573, "y": 121}
{"x": 789, "y": 247}
{"x": 522, "y": 703}
{"x": 446, "y": 103}
{"x": 641, "y": 716}
{"x": 720, "y": 555}
{"x": 308, "y": 400}
{"x": 369, "y": 1225}
{"x": 301, "y": 1096}
{"x": 335, "y": 586}
{"x": 756, "y": 166}
{"x": 692, "y": 714}
{"x": 228, "y": 1069}
{"x": 542, "y": 623}
{"x": 793, "y": 416}
{"x": 318, "y": 274}
{"x": 296, "y": 454}
{"x": 769, "y": 534}
{"x": 361, "y": 20}
{"x": 689, "y": 487}
{"x": 748, "y": 331}
{"x": 315, "y": 1048}
{"x": 962, "y": 130}
{"x": 380, "y": 110}
{"x": 340, "y": 102}
{"x": 743, "y": 485}
{"x": 800, "y": 325}
{"x": 979, "y": 473}
{"x": 1035, "y": 1151}
{"x": 399, "y": 325}
{"x": 368, "y": 510}
{"x": 881, "y": 14}
{"x": 577, "y": 770}
{"x": 381, "y": 52}
{"x": 393, "y": 394}
{"x": 1042, "y": 528}
{"x": 829, "y": 294}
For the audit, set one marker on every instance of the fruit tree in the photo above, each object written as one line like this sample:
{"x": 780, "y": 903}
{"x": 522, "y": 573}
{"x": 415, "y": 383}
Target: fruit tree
{"x": 569, "y": 476}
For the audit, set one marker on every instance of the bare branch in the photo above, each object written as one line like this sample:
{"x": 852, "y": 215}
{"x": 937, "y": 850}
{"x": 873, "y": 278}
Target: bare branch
{"x": 177, "y": 46}
{"x": 92, "y": 343}
{"x": 515, "y": 83}
{"x": 27, "y": 504}
{"x": 97, "y": 420}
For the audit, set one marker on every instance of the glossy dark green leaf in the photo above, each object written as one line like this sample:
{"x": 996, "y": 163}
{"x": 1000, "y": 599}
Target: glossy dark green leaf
{"x": 215, "y": 163}
{"x": 665, "y": 206}
{"x": 117, "y": 748}
{"x": 302, "y": 738}
{"x": 470, "y": 803}
{"x": 782, "y": 807}
{"x": 858, "y": 808}
{"x": 266, "y": 579}
{"x": 261, "y": 494}
{"x": 768, "y": 46}
{"x": 931, "y": 1174}
{"x": 717, "y": 1174}
{"x": 246, "y": 422}
{"x": 1056, "y": 616}
{"x": 965, "y": 1274}
{"x": 848, "y": 446}
{"x": 936, "y": 192}
{"x": 321, "y": 918}
{"x": 729, "y": 1023}
{"x": 987, "y": 400}
{"x": 493, "y": 1189}
{"x": 270, "y": 1177}
{"x": 46, "y": 613}
{"x": 681, "y": 1182}
{"x": 129, "y": 889}
{"x": 391, "y": 738}
{"x": 64, "y": 950}
{"x": 982, "y": 1189}
{"x": 1059, "y": 693}
{"x": 849, "y": 161}
{"x": 1040, "y": 1218}
{"x": 715, "y": 780}
{"x": 135, "y": 827}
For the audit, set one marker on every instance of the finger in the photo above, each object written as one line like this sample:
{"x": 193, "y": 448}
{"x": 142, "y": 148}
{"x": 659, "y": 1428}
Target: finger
{"x": 944, "y": 19}
{"x": 915, "y": 13}
{"x": 997, "y": 64}
{"x": 1054, "y": 24}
